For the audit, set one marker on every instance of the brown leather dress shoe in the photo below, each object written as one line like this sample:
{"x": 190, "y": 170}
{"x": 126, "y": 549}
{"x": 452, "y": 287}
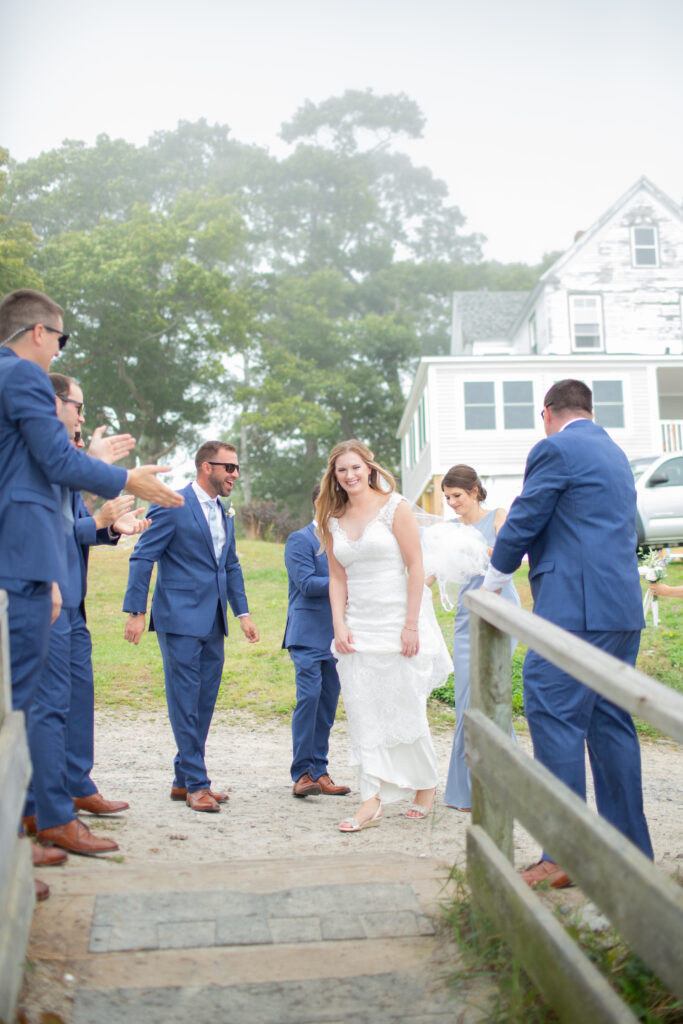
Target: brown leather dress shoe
{"x": 76, "y": 838}
{"x": 201, "y": 800}
{"x": 548, "y": 872}
{"x": 42, "y": 890}
{"x": 29, "y": 825}
{"x": 328, "y": 787}
{"x": 46, "y": 856}
{"x": 96, "y": 804}
{"x": 305, "y": 786}
{"x": 180, "y": 793}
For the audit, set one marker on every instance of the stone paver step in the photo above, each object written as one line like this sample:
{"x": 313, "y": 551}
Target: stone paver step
{"x": 346, "y": 938}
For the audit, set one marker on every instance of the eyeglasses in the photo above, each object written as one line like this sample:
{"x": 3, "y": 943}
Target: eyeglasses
{"x": 63, "y": 338}
{"x": 544, "y": 409}
{"x": 229, "y": 467}
{"x": 80, "y": 406}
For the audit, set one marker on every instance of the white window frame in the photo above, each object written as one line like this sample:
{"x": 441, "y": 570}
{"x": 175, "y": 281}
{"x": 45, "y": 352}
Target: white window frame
{"x": 577, "y": 302}
{"x": 637, "y": 247}
{"x": 422, "y": 430}
{"x": 488, "y": 405}
{"x": 512, "y": 405}
{"x": 621, "y": 405}
{"x": 533, "y": 334}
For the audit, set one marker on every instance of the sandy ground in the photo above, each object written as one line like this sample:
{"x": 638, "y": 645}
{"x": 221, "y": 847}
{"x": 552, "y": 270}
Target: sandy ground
{"x": 251, "y": 759}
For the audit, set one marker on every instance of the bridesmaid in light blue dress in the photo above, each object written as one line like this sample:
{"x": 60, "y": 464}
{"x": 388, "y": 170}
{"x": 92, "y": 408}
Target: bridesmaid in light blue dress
{"x": 464, "y": 493}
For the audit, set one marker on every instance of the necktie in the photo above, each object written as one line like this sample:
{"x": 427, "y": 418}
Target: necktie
{"x": 216, "y": 528}
{"x": 67, "y": 512}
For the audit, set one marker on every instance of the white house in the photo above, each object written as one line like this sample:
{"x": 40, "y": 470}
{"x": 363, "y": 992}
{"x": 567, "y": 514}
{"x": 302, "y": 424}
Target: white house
{"x": 608, "y": 312}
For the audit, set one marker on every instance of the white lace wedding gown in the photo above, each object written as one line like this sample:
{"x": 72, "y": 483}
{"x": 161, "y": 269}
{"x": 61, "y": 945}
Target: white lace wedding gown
{"x": 385, "y": 694}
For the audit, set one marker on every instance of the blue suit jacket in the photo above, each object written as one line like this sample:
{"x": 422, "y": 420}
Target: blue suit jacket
{"x": 85, "y": 535}
{"x": 35, "y": 453}
{"x": 576, "y": 519}
{"x": 190, "y": 583}
{"x": 309, "y": 616}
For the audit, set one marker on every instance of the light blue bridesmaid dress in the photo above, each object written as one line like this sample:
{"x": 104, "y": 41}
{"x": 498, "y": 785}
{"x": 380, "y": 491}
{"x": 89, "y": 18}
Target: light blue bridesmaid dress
{"x": 458, "y": 790}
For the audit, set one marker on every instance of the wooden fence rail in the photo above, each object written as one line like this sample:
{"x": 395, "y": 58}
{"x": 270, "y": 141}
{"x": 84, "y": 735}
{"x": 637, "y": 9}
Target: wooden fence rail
{"x": 16, "y": 872}
{"x": 644, "y": 905}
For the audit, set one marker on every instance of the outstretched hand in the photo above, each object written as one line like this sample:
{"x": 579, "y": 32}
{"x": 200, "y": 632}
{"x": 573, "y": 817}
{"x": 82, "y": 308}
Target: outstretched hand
{"x": 142, "y": 482}
{"x": 110, "y": 449}
{"x": 130, "y": 524}
{"x": 110, "y": 511}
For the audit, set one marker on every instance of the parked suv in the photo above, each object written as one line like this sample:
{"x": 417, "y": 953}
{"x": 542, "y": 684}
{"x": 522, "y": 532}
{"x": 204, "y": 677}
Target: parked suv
{"x": 659, "y": 486}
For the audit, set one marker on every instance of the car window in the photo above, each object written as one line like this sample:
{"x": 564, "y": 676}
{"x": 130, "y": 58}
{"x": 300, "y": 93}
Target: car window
{"x": 674, "y": 470}
{"x": 638, "y": 466}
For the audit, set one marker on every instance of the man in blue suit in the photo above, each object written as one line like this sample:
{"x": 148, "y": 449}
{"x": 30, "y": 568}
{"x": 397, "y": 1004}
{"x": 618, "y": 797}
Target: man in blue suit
{"x": 575, "y": 518}
{"x": 35, "y": 454}
{"x": 198, "y": 573}
{"x": 61, "y": 719}
{"x": 308, "y": 636}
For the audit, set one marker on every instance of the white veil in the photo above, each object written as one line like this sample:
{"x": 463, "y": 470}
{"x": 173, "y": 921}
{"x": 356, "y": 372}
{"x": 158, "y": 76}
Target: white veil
{"x": 452, "y": 552}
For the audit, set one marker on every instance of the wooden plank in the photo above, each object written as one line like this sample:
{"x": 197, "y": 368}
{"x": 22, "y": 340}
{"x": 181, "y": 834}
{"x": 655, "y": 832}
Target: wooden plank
{"x": 620, "y": 683}
{"x": 490, "y": 693}
{"x": 15, "y": 771}
{"x": 568, "y": 981}
{"x": 16, "y": 911}
{"x": 5, "y": 675}
{"x": 644, "y": 905}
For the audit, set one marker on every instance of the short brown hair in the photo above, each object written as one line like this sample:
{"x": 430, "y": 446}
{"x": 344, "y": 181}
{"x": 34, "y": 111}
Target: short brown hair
{"x": 209, "y": 450}
{"x": 569, "y": 394}
{"x": 23, "y": 307}
{"x": 61, "y": 384}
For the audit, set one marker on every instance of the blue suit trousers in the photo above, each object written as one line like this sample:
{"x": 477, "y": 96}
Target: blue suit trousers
{"x": 49, "y": 796}
{"x": 317, "y": 695}
{"x": 28, "y": 614}
{"x": 565, "y": 716}
{"x": 80, "y": 725}
{"x": 193, "y": 667}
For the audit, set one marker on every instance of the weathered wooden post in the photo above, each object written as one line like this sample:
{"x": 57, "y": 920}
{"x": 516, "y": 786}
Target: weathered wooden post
{"x": 491, "y": 693}
{"x": 16, "y": 871}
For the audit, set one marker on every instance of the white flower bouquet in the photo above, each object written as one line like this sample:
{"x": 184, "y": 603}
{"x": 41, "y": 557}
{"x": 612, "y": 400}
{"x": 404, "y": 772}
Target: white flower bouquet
{"x": 652, "y": 570}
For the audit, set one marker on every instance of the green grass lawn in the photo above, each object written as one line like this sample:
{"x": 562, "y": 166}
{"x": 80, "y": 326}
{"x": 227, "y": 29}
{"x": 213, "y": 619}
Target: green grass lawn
{"x": 259, "y": 678}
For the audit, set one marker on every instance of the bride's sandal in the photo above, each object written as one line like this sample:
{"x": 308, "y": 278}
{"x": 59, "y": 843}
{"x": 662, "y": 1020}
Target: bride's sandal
{"x": 353, "y": 825}
{"x": 418, "y": 812}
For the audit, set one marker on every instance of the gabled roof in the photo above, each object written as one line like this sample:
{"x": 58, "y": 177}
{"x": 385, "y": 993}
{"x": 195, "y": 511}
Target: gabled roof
{"x": 483, "y": 315}
{"x": 586, "y": 236}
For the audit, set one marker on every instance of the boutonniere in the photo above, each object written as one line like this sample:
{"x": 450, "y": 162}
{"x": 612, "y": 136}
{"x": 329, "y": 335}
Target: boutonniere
{"x": 230, "y": 512}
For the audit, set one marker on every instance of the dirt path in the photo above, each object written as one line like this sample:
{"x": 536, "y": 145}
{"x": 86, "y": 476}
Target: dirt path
{"x": 251, "y": 759}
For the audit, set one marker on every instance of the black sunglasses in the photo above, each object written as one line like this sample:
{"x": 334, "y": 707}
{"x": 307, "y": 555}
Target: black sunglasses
{"x": 544, "y": 409}
{"x": 63, "y": 338}
{"x": 229, "y": 467}
{"x": 80, "y": 406}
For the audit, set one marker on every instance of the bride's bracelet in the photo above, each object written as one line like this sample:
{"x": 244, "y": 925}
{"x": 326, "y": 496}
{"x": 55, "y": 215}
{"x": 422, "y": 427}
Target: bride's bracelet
{"x": 411, "y": 629}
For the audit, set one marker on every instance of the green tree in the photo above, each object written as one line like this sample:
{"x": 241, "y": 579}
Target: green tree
{"x": 17, "y": 244}
{"x": 153, "y": 301}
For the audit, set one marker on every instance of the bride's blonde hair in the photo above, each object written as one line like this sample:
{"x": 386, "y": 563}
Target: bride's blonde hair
{"x": 333, "y": 497}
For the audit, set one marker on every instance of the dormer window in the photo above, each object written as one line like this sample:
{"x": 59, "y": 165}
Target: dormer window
{"x": 644, "y": 247}
{"x": 585, "y": 318}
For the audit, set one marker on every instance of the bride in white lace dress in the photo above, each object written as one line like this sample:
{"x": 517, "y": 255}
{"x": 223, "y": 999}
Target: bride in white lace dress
{"x": 390, "y": 650}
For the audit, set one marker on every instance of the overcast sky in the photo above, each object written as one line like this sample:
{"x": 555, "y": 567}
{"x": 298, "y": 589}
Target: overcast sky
{"x": 540, "y": 113}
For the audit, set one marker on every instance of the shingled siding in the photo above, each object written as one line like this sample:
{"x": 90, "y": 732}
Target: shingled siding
{"x": 641, "y": 305}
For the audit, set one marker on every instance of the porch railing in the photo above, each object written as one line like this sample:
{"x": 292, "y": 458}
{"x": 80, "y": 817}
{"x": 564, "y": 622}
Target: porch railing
{"x": 672, "y": 435}
{"x": 643, "y": 904}
{"x": 16, "y": 871}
